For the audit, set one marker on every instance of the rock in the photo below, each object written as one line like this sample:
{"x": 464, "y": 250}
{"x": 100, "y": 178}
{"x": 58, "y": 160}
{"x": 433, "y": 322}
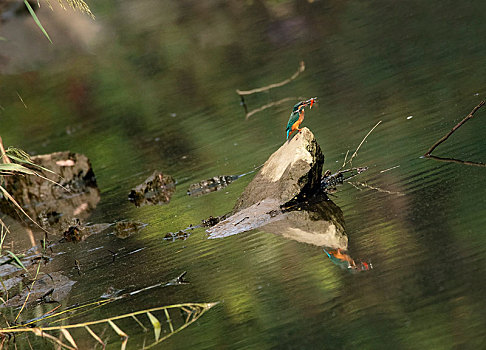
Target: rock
{"x": 293, "y": 172}
{"x": 247, "y": 219}
{"x": 285, "y": 198}
{"x": 52, "y": 287}
{"x": 49, "y": 204}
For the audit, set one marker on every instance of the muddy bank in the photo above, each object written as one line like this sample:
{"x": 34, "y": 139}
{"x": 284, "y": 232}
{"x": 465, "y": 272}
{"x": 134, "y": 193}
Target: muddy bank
{"x": 51, "y": 205}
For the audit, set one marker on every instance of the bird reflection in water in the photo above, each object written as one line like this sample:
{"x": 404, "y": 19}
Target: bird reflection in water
{"x": 345, "y": 261}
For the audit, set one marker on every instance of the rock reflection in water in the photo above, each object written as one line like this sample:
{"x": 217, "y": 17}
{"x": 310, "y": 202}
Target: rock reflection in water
{"x": 319, "y": 222}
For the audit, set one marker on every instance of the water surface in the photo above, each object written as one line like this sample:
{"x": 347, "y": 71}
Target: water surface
{"x": 154, "y": 89}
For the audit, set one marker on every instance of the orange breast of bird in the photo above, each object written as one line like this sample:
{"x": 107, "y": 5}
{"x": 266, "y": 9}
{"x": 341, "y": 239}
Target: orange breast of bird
{"x": 296, "y": 125}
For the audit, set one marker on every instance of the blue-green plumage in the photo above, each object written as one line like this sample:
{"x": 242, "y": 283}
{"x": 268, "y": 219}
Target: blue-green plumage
{"x": 297, "y": 115}
{"x": 294, "y": 117}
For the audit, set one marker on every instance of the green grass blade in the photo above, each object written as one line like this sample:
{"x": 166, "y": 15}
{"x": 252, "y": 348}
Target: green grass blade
{"x": 10, "y": 168}
{"x": 23, "y": 157}
{"x": 13, "y": 168}
{"x": 17, "y": 260}
{"x": 34, "y": 16}
{"x": 20, "y": 160}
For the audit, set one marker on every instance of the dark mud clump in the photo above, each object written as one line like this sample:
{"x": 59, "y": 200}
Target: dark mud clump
{"x": 157, "y": 189}
{"x": 125, "y": 229}
{"x": 211, "y": 185}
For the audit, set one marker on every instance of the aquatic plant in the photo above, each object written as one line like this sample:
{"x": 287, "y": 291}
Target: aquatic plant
{"x": 66, "y": 336}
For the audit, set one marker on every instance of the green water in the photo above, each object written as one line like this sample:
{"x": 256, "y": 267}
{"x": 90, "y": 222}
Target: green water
{"x": 155, "y": 89}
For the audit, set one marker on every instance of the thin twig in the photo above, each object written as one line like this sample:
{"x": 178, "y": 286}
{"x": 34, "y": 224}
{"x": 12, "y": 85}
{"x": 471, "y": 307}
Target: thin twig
{"x": 393, "y": 167}
{"x": 271, "y": 86}
{"x": 445, "y": 137}
{"x": 365, "y": 185}
{"x": 17, "y": 205}
{"x": 28, "y": 294}
{"x": 33, "y": 243}
{"x": 357, "y": 149}
{"x": 355, "y": 186}
{"x": 345, "y": 158}
{"x": 21, "y": 100}
{"x": 3, "y": 233}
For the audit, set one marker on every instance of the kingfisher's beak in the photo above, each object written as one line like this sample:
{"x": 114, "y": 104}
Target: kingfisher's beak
{"x": 310, "y": 102}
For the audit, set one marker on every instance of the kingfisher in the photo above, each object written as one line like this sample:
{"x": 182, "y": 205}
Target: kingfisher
{"x": 297, "y": 115}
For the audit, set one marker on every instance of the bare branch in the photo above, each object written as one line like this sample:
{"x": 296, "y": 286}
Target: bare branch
{"x": 357, "y": 149}
{"x": 445, "y": 137}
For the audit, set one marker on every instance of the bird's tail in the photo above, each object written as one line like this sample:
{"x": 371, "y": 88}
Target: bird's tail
{"x": 288, "y": 131}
